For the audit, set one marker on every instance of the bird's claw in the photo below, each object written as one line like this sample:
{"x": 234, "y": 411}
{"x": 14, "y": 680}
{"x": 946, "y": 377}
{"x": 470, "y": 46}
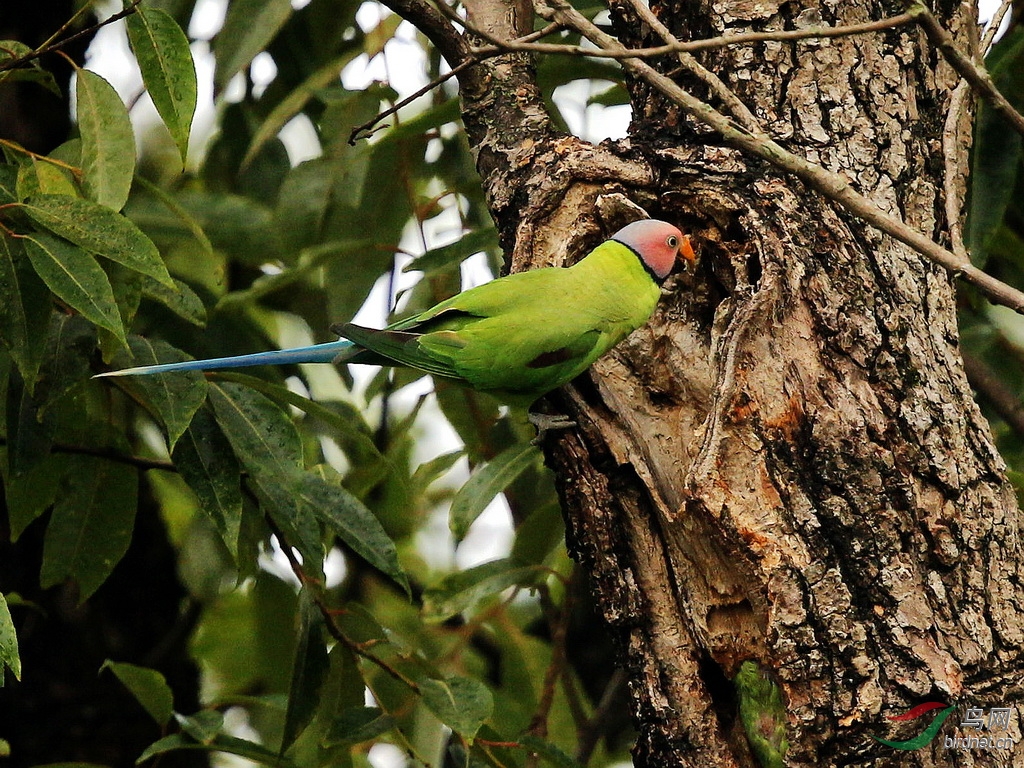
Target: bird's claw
{"x": 545, "y": 423}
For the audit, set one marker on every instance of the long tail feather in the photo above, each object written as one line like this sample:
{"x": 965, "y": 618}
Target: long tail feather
{"x": 318, "y": 353}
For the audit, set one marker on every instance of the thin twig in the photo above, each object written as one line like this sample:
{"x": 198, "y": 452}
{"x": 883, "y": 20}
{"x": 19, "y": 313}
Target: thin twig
{"x": 16, "y": 147}
{"x": 993, "y": 388}
{"x": 316, "y": 593}
{"x": 993, "y": 26}
{"x": 478, "y": 55}
{"x": 731, "y": 101}
{"x": 432, "y": 23}
{"x": 367, "y": 127}
{"x": 53, "y": 46}
{"x": 832, "y": 185}
{"x": 953, "y": 150}
{"x": 496, "y": 42}
{"x": 598, "y": 723}
{"x": 788, "y": 35}
{"x": 558, "y": 623}
{"x": 120, "y": 458}
{"x": 528, "y": 44}
{"x": 141, "y": 462}
{"x": 972, "y": 72}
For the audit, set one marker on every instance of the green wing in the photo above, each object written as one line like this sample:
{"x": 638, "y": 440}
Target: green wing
{"x": 521, "y": 335}
{"x": 388, "y": 347}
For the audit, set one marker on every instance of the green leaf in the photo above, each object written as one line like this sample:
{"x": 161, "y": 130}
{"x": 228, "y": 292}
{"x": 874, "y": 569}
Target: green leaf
{"x": 612, "y": 97}
{"x": 204, "y": 459}
{"x": 540, "y": 533}
{"x": 108, "y": 141}
{"x": 34, "y": 72}
{"x": 127, "y": 296}
{"x": 8, "y": 184}
{"x": 461, "y": 703}
{"x": 75, "y": 277}
{"x": 454, "y": 253}
{"x": 181, "y": 213}
{"x": 357, "y": 526}
{"x": 302, "y": 204}
{"x": 99, "y": 230}
{"x": 31, "y": 492}
{"x": 263, "y": 436}
{"x": 462, "y": 590}
{"x": 430, "y": 471}
{"x": 41, "y": 177}
{"x": 9, "y": 656}
{"x": 248, "y": 28}
{"x": 91, "y": 524}
{"x": 266, "y": 442}
{"x": 162, "y": 50}
{"x": 24, "y": 309}
{"x": 181, "y": 300}
{"x": 28, "y": 439}
{"x": 239, "y": 226}
{"x": 203, "y": 726}
{"x": 434, "y": 117}
{"x": 219, "y": 743}
{"x": 296, "y": 101}
{"x": 548, "y": 752}
{"x": 553, "y": 71}
{"x": 485, "y": 483}
{"x": 70, "y": 343}
{"x": 998, "y": 150}
{"x": 172, "y": 398}
{"x": 309, "y": 671}
{"x": 344, "y": 426}
{"x": 148, "y": 687}
{"x": 358, "y": 724}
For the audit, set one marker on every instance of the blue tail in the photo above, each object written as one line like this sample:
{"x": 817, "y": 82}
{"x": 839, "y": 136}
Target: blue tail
{"x": 318, "y": 353}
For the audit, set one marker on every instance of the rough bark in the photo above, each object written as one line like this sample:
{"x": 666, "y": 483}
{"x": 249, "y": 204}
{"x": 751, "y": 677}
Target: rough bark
{"x": 786, "y": 464}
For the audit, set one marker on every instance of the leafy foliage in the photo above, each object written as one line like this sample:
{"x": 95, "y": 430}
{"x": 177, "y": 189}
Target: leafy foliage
{"x": 992, "y": 337}
{"x": 268, "y": 481}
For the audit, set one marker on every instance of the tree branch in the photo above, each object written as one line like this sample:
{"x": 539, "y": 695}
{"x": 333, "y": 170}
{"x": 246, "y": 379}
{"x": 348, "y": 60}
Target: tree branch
{"x": 990, "y": 385}
{"x": 558, "y": 626}
{"x": 789, "y": 35}
{"x": 478, "y": 55}
{"x": 432, "y": 23}
{"x": 140, "y": 462}
{"x": 953, "y": 150}
{"x": 53, "y": 45}
{"x": 732, "y": 102}
{"x": 973, "y": 73}
{"x": 316, "y": 593}
{"x": 832, "y": 185}
{"x": 602, "y": 715}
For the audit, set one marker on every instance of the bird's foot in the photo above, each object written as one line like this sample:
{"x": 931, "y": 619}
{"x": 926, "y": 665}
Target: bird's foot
{"x": 545, "y": 422}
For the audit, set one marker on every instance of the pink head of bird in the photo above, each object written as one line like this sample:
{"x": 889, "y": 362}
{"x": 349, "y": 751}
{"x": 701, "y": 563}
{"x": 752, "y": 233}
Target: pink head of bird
{"x": 658, "y": 244}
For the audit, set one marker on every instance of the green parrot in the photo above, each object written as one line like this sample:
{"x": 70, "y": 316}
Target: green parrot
{"x": 516, "y": 337}
{"x": 763, "y": 714}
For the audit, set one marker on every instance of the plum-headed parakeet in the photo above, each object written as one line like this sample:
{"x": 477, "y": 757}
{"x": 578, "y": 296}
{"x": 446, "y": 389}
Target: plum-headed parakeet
{"x": 516, "y": 337}
{"x": 763, "y": 714}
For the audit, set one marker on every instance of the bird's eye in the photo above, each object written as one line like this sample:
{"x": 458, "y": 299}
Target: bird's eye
{"x": 672, "y": 241}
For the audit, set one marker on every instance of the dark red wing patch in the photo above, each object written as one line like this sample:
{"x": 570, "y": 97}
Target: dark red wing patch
{"x": 554, "y": 357}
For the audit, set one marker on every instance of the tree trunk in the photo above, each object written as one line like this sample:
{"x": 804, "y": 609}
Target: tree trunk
{"x": 786, "y": 465}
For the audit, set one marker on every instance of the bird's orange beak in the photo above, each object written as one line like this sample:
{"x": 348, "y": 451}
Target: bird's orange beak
{"x": 686, "y": 251}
